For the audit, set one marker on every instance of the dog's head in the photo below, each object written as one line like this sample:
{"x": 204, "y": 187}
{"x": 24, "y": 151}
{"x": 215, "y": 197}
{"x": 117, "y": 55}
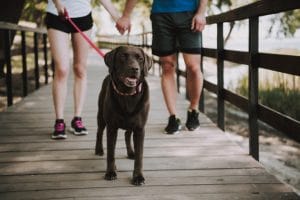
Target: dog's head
{"x": 128, "y": 65}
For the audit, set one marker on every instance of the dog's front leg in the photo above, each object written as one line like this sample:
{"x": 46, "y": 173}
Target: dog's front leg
{"x": 99, "y": 145}
{"x": 130, "y": 153}
{"x": 111, "y": 173}
{"x": 138, "y": 140}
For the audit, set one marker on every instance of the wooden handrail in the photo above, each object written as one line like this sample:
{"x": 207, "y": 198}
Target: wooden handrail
{"x": 259, "y": 8}
{"x": 15, "y": 27}
{"x": 6, "y": 53}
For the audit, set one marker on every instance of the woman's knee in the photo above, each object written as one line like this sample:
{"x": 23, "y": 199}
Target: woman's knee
{"x": 61, "y": 73}
{"x": 80, "y": 70}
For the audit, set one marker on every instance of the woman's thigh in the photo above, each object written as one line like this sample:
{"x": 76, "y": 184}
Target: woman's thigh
{"x": 80, "y": 49}
{"x": 59, "y": 45}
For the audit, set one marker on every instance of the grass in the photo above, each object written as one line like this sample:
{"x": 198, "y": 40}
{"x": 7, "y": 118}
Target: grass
{"x": 280, "y": 98}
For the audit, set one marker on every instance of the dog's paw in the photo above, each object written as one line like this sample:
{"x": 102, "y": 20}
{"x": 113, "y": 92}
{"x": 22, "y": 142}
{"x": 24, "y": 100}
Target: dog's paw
{"x": 131, "y": 155}
{"x": 110, "y": 176}
{"x": 138, "y": 180}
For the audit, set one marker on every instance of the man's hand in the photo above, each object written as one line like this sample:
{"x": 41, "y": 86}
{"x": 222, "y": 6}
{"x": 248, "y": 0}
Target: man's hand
{"x": 123, "y": 24}
{"x": 198, "y": 22}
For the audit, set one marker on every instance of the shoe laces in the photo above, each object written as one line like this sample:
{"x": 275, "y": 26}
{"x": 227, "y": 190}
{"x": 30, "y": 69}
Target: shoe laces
{"x": 78, "y": 123}
{"x": 59, "y": 126}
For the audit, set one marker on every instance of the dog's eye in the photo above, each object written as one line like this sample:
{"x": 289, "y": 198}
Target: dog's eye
{"x": 139, "y": 58}
{"x": 123, "y": 56}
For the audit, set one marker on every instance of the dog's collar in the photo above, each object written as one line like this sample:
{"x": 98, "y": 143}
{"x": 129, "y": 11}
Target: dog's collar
{"x": 138, "y": 89}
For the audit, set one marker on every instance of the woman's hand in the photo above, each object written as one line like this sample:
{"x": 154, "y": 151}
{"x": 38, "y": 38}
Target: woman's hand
{"x": 59, "y": 7}
{"x": 123, "y": 24}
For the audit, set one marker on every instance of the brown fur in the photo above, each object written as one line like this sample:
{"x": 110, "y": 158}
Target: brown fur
{"x": 125, "y": 108}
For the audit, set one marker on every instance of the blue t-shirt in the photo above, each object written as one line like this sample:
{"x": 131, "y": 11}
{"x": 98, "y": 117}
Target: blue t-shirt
{"x": 167, "y": 6}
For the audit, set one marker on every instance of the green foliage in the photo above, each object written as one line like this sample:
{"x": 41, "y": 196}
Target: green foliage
{"x": 34, "y": 11}
{"x": 281, "y": 98}
{"x": 290, "y": 22}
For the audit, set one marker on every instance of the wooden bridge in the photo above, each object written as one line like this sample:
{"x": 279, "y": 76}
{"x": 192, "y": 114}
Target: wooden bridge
{"x": 203, "y": 164}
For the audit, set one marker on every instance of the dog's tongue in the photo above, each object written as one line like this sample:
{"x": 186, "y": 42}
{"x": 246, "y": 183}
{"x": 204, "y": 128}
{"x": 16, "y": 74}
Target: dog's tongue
{"x": 131, "y": 82}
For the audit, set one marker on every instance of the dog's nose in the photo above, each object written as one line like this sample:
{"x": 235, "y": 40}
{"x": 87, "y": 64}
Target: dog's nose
{"x": 134, "y": 69}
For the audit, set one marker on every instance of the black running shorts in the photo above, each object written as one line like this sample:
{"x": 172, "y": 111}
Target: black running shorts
{"x": 56, "y": 22}
{"x": 172, "y": 32}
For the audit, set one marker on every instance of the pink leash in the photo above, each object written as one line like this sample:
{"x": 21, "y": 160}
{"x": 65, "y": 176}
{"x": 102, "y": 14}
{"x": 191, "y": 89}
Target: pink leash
{"x": 66, "y": 15}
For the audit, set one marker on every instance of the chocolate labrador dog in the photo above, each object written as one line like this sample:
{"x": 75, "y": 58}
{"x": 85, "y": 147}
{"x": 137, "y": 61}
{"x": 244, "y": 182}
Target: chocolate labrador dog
{"x": 124, "y": 104}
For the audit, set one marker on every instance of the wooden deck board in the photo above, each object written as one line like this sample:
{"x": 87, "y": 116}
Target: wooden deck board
{"x": 203, "y": 164}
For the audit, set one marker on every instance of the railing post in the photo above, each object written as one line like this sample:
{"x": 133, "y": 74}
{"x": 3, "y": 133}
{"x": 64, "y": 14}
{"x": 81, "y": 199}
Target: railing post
{"x": 8, "y": 77}
{"x": 253, "y": 88}
{"x": 220, "y": 75}
{"x": 45, "y": 57}
{"x": 24, "y": 63}
{"x": 201, "y": 101}
{"x": 177, "y": 73}
{"x": 36, "y": 61}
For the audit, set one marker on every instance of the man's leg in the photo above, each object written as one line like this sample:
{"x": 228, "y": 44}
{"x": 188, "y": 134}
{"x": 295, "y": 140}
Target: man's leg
{"x": 194, "y": 89}
{"x": 194, "y": 79}
{"x": 168, "y": 84}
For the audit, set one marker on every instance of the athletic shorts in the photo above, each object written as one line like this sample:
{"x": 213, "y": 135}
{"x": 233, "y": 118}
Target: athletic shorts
{"x": 172, "y": 32}
{"x": 56, "y": 22}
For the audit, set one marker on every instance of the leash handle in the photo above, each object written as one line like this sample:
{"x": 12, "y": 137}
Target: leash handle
{"x": 66, "y": 15}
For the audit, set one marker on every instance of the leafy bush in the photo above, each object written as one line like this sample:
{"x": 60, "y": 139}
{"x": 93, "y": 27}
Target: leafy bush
{"x": 281, "y": 99}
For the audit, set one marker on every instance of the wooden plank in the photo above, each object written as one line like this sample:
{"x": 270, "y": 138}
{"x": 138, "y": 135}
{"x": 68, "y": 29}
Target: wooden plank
{"x": 42, "y": 134}
{"x": 170, "y": 163}
{"x": 83, "y": 154}
{"x": 224, "y": 196}
{"x": 245, "y": 189}
{"x": 60, "y": 145}
{"x": 84, "y": 176}
{"x": 280, "y": 63}
{"x": 280, "y": 121}
{"x": 100, "y": 182}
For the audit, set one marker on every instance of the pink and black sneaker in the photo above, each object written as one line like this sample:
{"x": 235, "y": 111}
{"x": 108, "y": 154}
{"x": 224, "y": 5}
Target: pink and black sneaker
{"x": 59, "y": 130}
{"x": 77, "y": 127}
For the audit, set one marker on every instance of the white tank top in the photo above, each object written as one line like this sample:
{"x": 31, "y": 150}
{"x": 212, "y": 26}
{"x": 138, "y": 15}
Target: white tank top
{"x": 75, "y": 8}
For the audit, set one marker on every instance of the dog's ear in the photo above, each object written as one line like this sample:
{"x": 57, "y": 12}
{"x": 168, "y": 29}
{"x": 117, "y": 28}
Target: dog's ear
{"x": 148, "y": 62}
{"x": 109, "y": 58}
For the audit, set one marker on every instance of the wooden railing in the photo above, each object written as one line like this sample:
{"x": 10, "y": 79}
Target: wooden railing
{"x": 255, "y": 60}
{"x": 9, "y": 50}
{"x": 287, "y": 64}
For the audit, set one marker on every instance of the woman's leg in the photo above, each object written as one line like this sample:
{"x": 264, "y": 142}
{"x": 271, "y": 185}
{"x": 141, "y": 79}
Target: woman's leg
{"x": 59, "y": 45}
{"x": 80, "y": 49}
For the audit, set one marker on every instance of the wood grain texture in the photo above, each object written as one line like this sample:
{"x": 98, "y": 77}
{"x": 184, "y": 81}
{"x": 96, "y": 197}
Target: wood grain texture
{"x": 198, "y": 165}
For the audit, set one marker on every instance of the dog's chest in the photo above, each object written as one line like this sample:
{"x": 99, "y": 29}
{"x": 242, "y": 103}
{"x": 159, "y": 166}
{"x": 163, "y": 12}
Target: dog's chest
{"x": 129, "y": 105}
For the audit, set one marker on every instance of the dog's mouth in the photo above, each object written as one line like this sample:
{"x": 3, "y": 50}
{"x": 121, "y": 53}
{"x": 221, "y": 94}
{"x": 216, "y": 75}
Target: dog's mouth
{"x": 130, "y": 81}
